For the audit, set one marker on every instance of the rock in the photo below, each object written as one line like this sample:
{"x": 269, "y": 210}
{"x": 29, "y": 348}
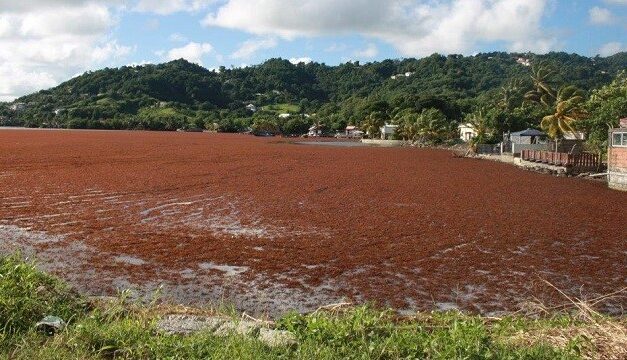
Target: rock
{"x": 248, "y": 328}
{"x": 50, "y": 325}
{"x": 188, "y": 324}
{"x": 225, "y": 329}
{"x": 276, "y": 338}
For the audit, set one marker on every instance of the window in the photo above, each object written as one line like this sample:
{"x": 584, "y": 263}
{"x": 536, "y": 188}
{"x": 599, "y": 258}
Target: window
{"x": 619, "y": 139}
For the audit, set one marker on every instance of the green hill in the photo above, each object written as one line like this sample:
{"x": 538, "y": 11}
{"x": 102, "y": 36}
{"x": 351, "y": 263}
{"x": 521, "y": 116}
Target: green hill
{"x": 347, "y": 93}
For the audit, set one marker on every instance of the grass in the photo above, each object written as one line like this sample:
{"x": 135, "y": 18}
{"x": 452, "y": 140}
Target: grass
{"x": 282, "y": 108}
{"x": 120, "y": 329}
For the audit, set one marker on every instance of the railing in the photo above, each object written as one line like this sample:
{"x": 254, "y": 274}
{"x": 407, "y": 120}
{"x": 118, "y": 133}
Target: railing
{"x": 583, "y": 160}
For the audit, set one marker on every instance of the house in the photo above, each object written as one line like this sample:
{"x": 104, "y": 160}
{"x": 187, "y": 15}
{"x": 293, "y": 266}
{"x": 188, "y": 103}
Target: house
{"x": 284, "y": 116}
{"x": 523, "y": 61}
{"x": 315, "y": 131}
{"x": 18, "y": 106}
{"x": 251, "y": 108}
{"x": 529, "y": 139}
{"x": 467, "y": 132}
{"x": 617, "y": 157}
{"x": 388, "y": 131}
{"x": 529, "y": 136}
{"x": 353, "y": 132}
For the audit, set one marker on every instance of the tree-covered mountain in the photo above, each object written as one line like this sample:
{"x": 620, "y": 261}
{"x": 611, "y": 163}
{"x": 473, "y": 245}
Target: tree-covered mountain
{"x": 178, "y": 93}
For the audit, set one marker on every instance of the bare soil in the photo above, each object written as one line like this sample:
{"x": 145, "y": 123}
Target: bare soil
{"x": 271, "y": 226}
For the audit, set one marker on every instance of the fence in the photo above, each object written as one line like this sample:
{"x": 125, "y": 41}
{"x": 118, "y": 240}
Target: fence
{"x": 489, "y": 149}
{"x": 583, "y": 160}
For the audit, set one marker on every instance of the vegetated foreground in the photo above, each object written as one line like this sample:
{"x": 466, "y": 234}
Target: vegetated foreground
{"x": 270, "y": 225}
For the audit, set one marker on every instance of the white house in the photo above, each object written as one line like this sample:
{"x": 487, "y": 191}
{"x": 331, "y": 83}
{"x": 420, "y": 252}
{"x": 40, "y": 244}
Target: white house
{"x": 284, "y": 116}
{"x": 251, "y": 107}
{"x": 315, "y": 131}
{"x": 388, "y": 131}
{"x": 18, "y": 106}
{"x": 466, "y": 132}
{"x": 353, "y": 132}
{"x": 523, "y": 61}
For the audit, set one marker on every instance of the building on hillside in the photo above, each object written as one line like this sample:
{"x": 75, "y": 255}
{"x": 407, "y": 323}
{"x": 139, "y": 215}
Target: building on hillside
{"x": 467, "y": 132}
{"x": 18, "y": 106}
{"x": 284, "y": 116}
{"x": 523, "y": 61}
{"x": 251, "y": 108}
{"x": 617, "y": 157}
{"x": 388, "y": 131}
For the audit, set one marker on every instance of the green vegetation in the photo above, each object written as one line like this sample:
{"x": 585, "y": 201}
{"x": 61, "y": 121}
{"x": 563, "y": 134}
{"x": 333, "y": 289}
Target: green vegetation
{"x": 508, "y": 95}
{"x": 282, "y": 108}
{"x": 120, "y": 329}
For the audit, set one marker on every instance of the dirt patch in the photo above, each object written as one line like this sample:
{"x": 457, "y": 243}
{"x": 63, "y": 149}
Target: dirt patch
{"x": 273, "y": 226}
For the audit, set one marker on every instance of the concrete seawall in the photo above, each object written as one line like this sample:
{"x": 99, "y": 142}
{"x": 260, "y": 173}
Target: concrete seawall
{"x": 384, "y": 143}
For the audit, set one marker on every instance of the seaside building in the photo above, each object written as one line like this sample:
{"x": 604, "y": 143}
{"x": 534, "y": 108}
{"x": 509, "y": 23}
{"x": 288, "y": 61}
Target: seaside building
{"x": 617, "y": 157}
{"x": 388, "y": 131}
{"x": 466, "y": 132}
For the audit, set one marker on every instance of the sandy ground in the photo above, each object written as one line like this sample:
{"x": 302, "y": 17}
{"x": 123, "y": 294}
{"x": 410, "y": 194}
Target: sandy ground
{"x": 271, "y": 226}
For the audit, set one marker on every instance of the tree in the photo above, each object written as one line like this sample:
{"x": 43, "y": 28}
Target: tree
{"x": 605, "y": 107}
{"x": 511, "y": 95}
{"x": 373, "y": 123}
{"x": 484, "y": 129}
{"x": 433, "y": 126}
{"x": 265, "y": 125}
{"x": 568, "y": 108}
{"x": 543, "y": 92}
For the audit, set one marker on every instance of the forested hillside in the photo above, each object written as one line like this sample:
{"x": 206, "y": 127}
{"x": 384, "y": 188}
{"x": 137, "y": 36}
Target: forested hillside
{"x": 452, "y": 88}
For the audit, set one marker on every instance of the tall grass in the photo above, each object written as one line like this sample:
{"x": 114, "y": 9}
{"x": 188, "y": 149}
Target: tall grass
{"x": 27, "y": 295}
{"x": 129, "y": 331}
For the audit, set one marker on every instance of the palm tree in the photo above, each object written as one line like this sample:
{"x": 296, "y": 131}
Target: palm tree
{"x": 373, "y": 123}
{"x": 542, "y": 93}
{"x": 568, "y": 109}
{"x": 482, "y": 126}
{"x": 511, "y": 94}
{"x": 432, "y": 125}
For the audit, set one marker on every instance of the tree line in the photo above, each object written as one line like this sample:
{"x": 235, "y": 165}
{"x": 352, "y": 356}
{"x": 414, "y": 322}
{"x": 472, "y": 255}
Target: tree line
{"x": 426, "y": 97}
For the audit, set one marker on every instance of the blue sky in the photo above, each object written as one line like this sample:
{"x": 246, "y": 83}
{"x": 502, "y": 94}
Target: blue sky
{"x": 43, "y": 43}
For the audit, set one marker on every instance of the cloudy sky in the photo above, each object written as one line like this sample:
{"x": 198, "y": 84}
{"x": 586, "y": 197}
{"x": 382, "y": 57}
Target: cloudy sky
{"x": 43, "y": 42}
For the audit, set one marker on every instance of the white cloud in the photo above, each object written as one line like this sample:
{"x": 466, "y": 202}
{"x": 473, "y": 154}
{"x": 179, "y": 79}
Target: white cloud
{"x": 163, "y": 7}
{"x": 601, "y": 16}
{"x": 249, "y": 47}
{"x": 612, "y": 48}
{"x": 368, "y": 52}
{"x": 335, "y": 47}
{"x": 414, "y": 27}
{"x": 303, "y": 60}
{"x": 43, "y": 43}
{"x": 192, "y": 52}
{"x": 176, "y": 37}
